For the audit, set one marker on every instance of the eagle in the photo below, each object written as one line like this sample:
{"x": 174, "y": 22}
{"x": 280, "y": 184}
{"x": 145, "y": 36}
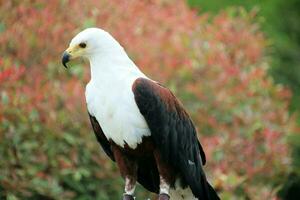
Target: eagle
{"x": 139, "y": 123}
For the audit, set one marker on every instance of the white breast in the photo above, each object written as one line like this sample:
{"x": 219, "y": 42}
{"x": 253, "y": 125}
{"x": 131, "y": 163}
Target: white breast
{"x": 113, "y": 105}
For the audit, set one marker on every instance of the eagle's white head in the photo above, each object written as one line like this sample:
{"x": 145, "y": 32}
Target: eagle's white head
{"x": 92, "y": 43}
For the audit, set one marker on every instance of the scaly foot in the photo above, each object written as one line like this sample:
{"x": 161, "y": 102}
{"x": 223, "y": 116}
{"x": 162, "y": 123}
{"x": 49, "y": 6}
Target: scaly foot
{"x": 128, "y": 197}
{"x": 163, "y": 196}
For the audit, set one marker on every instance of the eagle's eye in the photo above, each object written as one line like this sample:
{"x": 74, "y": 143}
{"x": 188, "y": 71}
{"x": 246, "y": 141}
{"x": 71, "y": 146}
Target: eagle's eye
{"x": 82, "y": 45}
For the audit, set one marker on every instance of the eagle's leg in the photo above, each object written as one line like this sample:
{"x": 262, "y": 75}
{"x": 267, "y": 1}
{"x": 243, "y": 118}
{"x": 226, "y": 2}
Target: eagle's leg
{"x": 166, "y": 176}
{"x": 128, "y": 169}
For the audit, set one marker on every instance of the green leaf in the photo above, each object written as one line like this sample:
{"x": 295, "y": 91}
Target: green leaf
{"x": 4, "y": 98}
{"x": 2, "y": 27}
{"x": 89, "y": 23}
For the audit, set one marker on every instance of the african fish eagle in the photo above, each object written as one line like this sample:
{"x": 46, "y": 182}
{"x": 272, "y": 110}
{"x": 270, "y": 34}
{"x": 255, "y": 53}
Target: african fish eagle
{"x": 139, "y": 123}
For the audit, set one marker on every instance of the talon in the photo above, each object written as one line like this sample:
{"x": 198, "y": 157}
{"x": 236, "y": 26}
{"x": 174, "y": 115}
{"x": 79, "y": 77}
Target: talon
{"x": 163, "y": 196}
{"x": 128, "y": 197}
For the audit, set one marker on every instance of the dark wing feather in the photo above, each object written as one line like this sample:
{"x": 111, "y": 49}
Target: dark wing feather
{"x": 203, "y": 157}
{"x": 174, "y": 134}
{"x": 101, "y": 137}
{"x": 148, "y": 175}
{"x": 147, "y": 171}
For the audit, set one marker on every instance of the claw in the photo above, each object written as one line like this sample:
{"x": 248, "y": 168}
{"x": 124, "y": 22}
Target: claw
{"x": 163, "y": 196}
{"x": 128, "y": 197}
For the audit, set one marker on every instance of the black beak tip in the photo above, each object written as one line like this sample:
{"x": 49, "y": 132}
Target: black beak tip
{"x": 65, "y": 59}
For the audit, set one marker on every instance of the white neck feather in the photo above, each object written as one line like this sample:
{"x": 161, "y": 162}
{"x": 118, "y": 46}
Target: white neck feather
{"x": 112, "y": 64}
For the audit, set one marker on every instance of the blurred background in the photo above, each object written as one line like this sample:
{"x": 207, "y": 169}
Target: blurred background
{"x": 233, "y": 63}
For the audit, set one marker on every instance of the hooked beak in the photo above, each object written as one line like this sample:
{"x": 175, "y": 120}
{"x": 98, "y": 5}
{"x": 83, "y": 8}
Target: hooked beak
{"x": 65, "y": 58}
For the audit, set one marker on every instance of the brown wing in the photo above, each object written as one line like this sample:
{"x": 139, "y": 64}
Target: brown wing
{"x": 174, "y": 134}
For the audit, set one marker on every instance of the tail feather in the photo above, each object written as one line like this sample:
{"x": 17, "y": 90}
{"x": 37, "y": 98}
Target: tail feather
{"x": 212, "y": 193}
{"x": 187, "y": 194}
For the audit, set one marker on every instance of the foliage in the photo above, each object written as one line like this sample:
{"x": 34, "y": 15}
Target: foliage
{"x": 287, "y": 48}
{"x": 217, "y": 68}
{"x": 279, "y": 20}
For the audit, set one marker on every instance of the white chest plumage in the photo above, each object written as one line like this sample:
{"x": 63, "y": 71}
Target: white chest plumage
{"x": 112, "y": 102}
